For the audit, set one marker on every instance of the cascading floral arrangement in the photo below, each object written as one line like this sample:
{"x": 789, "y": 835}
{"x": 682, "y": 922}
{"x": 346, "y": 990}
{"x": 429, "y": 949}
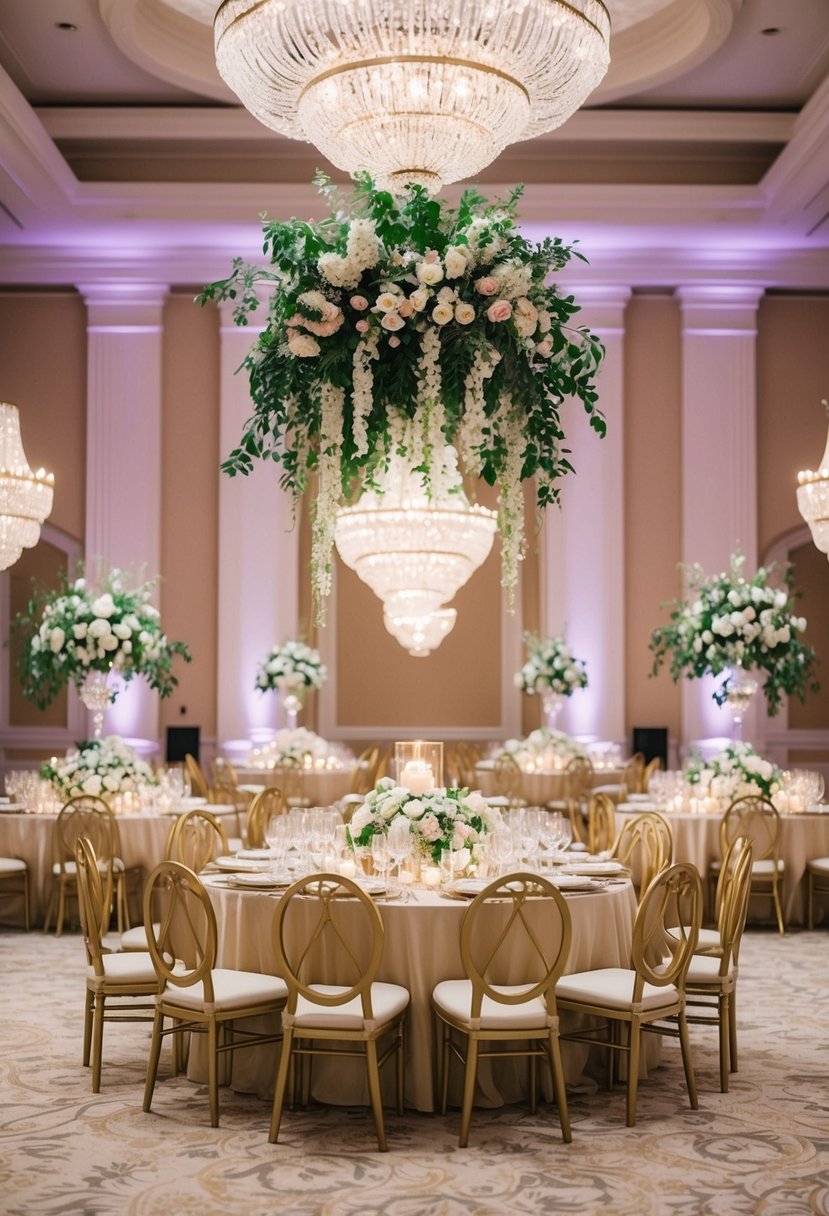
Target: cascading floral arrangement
{"x": 291, "y": 667}
{"x": 398, "y": 326}
{"x": 734, "y": 772}
{"x": 103, "y": 767}
{"x": 439, "y": 820}
{"x": 81, "y": 627}
{"x": 726, "y": 622}
{"x": 550, "y": 666}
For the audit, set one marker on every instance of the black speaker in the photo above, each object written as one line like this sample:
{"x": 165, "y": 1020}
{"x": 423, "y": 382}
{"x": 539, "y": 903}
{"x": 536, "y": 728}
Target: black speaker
{"x": 181, "y": 741}
{"x": 652, "y": 742}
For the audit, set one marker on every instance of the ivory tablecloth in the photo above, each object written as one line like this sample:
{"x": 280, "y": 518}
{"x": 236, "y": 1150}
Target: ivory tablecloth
{"x": 421, "y": 949}
{"x": 317, "y": 787}
{"x": 540, "y": 787}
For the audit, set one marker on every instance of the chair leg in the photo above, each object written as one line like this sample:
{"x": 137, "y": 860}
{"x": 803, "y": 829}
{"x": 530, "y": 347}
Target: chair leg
{"x": 97, "y": 1041}
{"x": 61, "y": 907}
{"x": 89, "y": 1003}
{"x": 444, "y": 1070}
{"x": 27, "y": 911}
{"x": 281, "y": 1084}
{"x": 533, "y": 1062}
{"x": 778, "y": 907}
{"x": 152, "y": 1062}
{"x": 724, "y": 1019}
{"x": 810, "y": 901}
{"x": 374, "y": 1093}
{"x": 633, "y": 1071}
{"x": 50, "y": 908}
{"x": 559, "y": 1091}
{"x": 401, "y": 1066}
{"x": 213, "y": 1071}
{"x": 732, "y": 1032}
{"x": 468, "y": 1089}
{"x": 687, "y": 1064}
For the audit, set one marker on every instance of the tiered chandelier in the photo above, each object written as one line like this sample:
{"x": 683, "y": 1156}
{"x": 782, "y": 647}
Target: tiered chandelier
{"x": 813, "y": 499}
{"x": 414, "y": 552}
{"x": 423, "y": 91}
{"x": 25, "y": 497}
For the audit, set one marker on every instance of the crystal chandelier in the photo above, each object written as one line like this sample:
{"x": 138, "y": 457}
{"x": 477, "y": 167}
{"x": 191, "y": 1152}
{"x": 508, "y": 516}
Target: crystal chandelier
{"x": 424, "y": 91}
{"x": 25, "y": 497}
{"x": 813, "y": 499}
{"x": 415, "y": 551}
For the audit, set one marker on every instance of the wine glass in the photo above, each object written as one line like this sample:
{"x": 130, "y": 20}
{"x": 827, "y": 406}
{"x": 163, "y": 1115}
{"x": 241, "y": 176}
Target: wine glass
{"x": 399, "y": 842}
{"x": 380, "y": 855}
{"x": 278, "y": 838}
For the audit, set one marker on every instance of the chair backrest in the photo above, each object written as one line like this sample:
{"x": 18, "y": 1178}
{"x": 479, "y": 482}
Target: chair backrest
{"x": 196, "y": 838}
{"x": 195, "y": 775}
{"x": 643, "y": 836}
{"x": 735, "y": 878}
{"x": 87, "y": 816}
{"x": 601, "y": 823}
{"x": 346, "y": 935}
{"x": 487, "y": 951}
{"x": 508, "y": 777}
{"x": 659, "y": 956}
{"x": 633, "y": 776}
{"x": 578, "y": 778}
{"x": 94, "y": 901}
{"x": 183, "y": 942}
{"x": 223, "y": 772}
{"x": 650, "y": 768}
{"x": 755, "y": 817}
{"x": 265, "y": 804}
{"x": 365, "y": 770}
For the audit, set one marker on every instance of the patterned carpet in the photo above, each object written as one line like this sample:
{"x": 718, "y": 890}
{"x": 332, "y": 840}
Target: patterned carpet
{"x": 762, "y": 1149}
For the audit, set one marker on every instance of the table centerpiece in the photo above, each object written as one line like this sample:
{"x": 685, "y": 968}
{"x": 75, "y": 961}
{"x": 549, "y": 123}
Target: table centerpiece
{"x": 734, "y": 772}
{"x": 105, "y": 768}
{"x": 552, "y": 672}
{"x": 544, "y": 750}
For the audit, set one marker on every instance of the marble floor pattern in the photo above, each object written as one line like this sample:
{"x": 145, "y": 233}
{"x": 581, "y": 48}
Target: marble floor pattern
{"x": 761, "y": 1149}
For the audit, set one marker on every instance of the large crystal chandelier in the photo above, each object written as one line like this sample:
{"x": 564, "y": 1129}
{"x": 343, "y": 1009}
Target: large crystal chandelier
{"x": 25, "y": 497}
{"x": 813, "y": 499}
{"x": 414, "y": 550}
{"x": 426, "y": 91}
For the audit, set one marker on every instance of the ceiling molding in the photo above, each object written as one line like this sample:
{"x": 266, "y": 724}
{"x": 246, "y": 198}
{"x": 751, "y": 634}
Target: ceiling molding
{"x": 796, "y": 187}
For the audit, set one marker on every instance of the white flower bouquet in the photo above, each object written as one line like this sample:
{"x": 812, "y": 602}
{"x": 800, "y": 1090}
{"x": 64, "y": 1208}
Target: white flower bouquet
{"x": 103, "y": 767}
{"x": 544, "y": 749}
{"x": 297, "y": 748}
{"x": 292, "y": 667}
{"x": 729, "y": 622}
{"x": 79, "y": 628}
{"x": 550, "y": 666}
{"x": 439, "y": 820}
{"x": 736, "y": 771}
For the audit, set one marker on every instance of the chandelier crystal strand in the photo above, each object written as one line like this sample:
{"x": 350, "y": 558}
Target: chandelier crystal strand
{"x": 813, "y": 499}
{"x": 427, "y": 92}
{"x": 25, "y": 497}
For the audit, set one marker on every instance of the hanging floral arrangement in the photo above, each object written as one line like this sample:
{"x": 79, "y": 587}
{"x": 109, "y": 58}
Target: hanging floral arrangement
{"x": 730, "y": 623}
{"x": 400, "y": 325}
{"x": 550, "y": 666}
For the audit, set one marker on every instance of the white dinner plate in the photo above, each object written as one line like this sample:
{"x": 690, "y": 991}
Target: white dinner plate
{"x": 262, "y": 882}
{"x": 254, "y": 854}
{"x": 573, "y": 882}
{"x": 498, "y": 800}
{"x": 190, "y": 804}
{"x": 242, "y": 865}
{"x": 640, "y": 798}
{"x": 220, "y": 808}
{"x": 596, "y": 868}
{"x": 371, "y": 886}
{"x": 471, "y": 886}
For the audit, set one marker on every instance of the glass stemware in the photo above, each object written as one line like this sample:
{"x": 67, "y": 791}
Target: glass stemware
{"x": 380, "y": 855}
{"x": 399, "y": 843}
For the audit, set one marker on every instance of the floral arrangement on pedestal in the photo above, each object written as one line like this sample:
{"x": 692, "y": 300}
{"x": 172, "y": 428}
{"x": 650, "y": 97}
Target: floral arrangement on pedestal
{"x": 292, "y": 667}
{"x": 439, "y": 820}
{"x": 400, "y": 325}
{"x": 103, "y": 628}
{"x": 544, "y": 749}
{"x": 727, "y": 623}
{"x": 103, "y": 767}
{"x": 733, "y": 772}
{"x": 550, "y": 666}
{"x": 297, "y": 748}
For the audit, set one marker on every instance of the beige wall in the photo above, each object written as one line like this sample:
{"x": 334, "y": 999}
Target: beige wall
{"x": 653, "y": 501}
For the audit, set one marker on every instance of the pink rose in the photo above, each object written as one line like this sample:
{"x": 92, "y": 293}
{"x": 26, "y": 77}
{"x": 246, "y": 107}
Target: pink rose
{"x": 405, "y": 308}
{"x": 501, "y": 310}
{"x": 487, "y": 286}
{"x": 394, "y": 340}
{"x": 431, "y": 256}
{"x": 361, "y": 327}
{"x": 360, "y": 303}
{"x": 392, "y": 320}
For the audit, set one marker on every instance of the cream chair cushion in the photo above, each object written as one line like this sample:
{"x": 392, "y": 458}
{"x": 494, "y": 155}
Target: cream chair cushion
{"x": 454, "y": 998}
{"x": 613, "y": 987}
{"x": 387, "y": 1001}
{"x": 135, "y": 967}
{"x": 820, "y": 865}
{"x": 12, "y": 865}
{"x": 231, "y": 990}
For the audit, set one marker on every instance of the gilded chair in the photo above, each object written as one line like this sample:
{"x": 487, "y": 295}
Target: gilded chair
{"x": 113, "y": 981}
{"x": 92, "y": 817}
{"x": 196, "y": 838}
{"x": 365, "y": 771}
{"x": 345, "y": 932}
{"x": 508, "y": 779}
{"x": 14, "y": 884}
{"x": 194, "y": 773}
{"x": 522, "y": 1015}
{"x": 223, "y": 772}
{"x": 644, "y": 842}
{"x": 195, "y": 995}
{"x": 711, "y": 981}
{"x": 652, "y": 990}
{"x": 756, "y": 818}
{"x": 269, "y": 802}
{"x": 601, "y": 823}
{"x": 653, "y": 766}
{"x": 633, "y": 777}
{"x": 817, "y": 883}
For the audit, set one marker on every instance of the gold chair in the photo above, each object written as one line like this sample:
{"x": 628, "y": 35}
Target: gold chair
{"x": 196, "y": 838}
{"x": 223, "y": 772}
{"x": 197, "y": 996}
{"x": 652, "y": 990}
{"x": 508, "y": 779}
{"x": 633, "y": 776}
{"x": 358, "y": 1013}
{"x": 194, "y": 772}
{"x": 648, "y": 840}
{"x": 483, "y": 1011}
{"x": 365, "y": 771}
{"x": 756, "y": 818}
{"x": 601, "y": 823}
{"x": 817, "y": 883}
{"x": 653, "y": 766}
{"x": 711, "y": 981}
{"x": 113, "y": 981}
{"x": 14, "y": 884}
{"x": 92, "y": 817}
{"x": 269, "y": 802}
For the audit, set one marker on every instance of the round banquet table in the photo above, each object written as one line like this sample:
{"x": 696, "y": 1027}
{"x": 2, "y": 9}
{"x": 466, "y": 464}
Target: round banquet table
{"x": 539, "y": 787}
{"x": 29, "y": 836}
{"x": 697, "y": 839}
{"x": 422, "y": 947}
{"x": 316, "y": 787}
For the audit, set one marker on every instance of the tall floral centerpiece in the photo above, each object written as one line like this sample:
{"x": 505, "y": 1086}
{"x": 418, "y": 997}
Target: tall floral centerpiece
{"x": 103, "y": 767}
{"x": 735, "y": 771}
{"x": 728, "y": 623}
{"x": 399, "y": 325}
{"x": 85, "y": 632}
{"x": 552, "y": 672}
{"x": 293, "y": 670}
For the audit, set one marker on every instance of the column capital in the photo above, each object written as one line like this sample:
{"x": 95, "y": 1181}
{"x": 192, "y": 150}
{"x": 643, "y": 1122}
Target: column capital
{"x": 719, "y": 308}
{"x": 124, "y": 307}
{"x": 602, "y": 306}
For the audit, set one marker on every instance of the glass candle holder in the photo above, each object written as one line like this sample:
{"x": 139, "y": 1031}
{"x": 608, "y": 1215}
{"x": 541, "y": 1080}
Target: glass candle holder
{"x": 418, "y": 766}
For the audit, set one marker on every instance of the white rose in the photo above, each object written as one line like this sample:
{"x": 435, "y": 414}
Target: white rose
{"x": 56, "y": 639}
{"x": 455, "y": 262}
{"x": 392, "y": 321}
{"x": 92, "y": 784}
{"x": 442, "y": 314}
{"x": 464, "y": 313}
{"x": 419, "y": 299}
{"x": 360, "y": 819}
{"x": 122, "y": 631}
{"x": 414, "y": 809}
{"x": 387, "y": 301}
{"x": 303, "y": 345}
{"x": 98, "y": 628}
{"x": 429, "y": 273}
